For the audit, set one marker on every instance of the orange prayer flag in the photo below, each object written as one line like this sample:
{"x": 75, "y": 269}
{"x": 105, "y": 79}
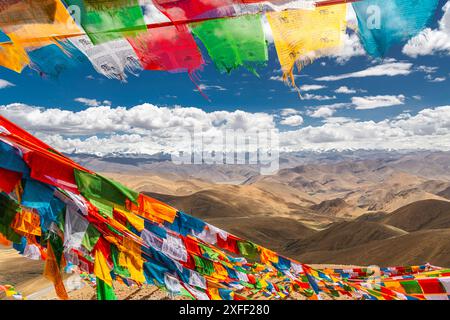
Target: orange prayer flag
{"x": 152, "y": 209}
{"x": 13, "y": 57}
{"x": 27, "y": 222}
{"x": 4, "y": 242}
{"x": 52, "y": 273}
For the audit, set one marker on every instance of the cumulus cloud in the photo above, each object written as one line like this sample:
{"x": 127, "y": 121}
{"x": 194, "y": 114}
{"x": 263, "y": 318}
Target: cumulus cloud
{"x": 289, "y": 112}
{"x": 93, "y": 102}
{"x": 429, "y": 129}
{"x": 345, "y": 90}
{"x": 326, "y": 111}
{"x": 5, "y": 84}
{"x": 322, "y": 112}
{"x": 144, "y": 128}
{"x": 292, "y": 121}
{"x": 389, "y": 69}
{"x": 351, "y": 47}
{"x": 373, "y": 102}
{"x": 431, "y": 41}
{"x": 148, "y": 129}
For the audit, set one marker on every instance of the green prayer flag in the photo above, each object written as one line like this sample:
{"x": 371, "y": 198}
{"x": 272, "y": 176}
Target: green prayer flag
{"x": 248, "y": 249}
{"x": 90, "y": 238}
{"x": 411, "y": 287}
{"x": 8, "y": 210}
{"x": 204, "y": 266}
{"x": 211, "y": 253}
{"x": 104, "y": 291}
{"x": 103, "y": 24}
{"x": 118, "y": 269}
{"x": 57, "y": 246}
{"x": 234, "y": 42}
{"x": 96, "y": 187}
{"x": 104, "y": 207}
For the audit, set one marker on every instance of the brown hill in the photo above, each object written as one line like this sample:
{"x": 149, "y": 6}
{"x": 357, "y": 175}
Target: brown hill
{"x": 270, "y": 232}
{"x": 421, "y": 215}
{"x": 331, "y": 207}
{"x": 372, "y": 216}
{"x": 225, "y": 201}
{"x": 431, "y": 246}
{"x": 343, "y": 235}
{"x": 445, "y": 193}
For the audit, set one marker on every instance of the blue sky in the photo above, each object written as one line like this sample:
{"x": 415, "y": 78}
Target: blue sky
{"x": 420, "y": 81}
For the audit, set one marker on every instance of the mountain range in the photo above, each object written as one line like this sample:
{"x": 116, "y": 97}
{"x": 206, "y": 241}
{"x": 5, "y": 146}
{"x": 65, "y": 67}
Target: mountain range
{"x": 354, "y": 207}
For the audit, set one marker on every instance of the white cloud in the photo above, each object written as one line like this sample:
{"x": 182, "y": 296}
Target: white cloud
{"x": 289, "y": 112}
{"x": 389, "y": 69}
{"x": 149, "y": 129}
{"x": 311, "y": 87}
{"x": 429, "y": 129}
{"x": 427, "y": 69}
{"x": 205, "y": 87}
{"x": 280, "y": 78}
{"x": 309, "y": 96}
{"x": 431, "y": 41}
{"x": 5, "y": 84}
{"x": 345, "y": 90}
{"x": 430, "y": 78}
{"x": 144, "y": 128}
{"x": 93, "y": 102}
{"x": 373, "y": 102}
{"x": 351, "y": 47}
{"x": 326, "y": 111}
{"x": 322, "y": 112}
{"x": 151, "y": 13}
{"x": 293, "y": 121}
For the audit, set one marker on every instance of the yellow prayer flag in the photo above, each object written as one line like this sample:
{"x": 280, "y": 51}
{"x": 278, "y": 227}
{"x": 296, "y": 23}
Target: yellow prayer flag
{"x": 300, "y": 36}
{"x": 267, "y": 255}
{"x": 52, "y": 273}
{"x": 214, "y": 294}
{"x": 132, "y": 218}
{"x": 37, "y": 23}
{"x": 101, "y": 268}
{"x": 13, "y": 57}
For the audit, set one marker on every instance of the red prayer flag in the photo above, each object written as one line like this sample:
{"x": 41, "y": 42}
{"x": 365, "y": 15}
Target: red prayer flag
{"x": 192, "y": 246}
{"x": 8, "y": 180}
{"x": 52, "y": 171}
{"x": 182, "y": 10}
{"x": 230, "y": 244}
{"x": 170, "y": 48}
{"x": 431, "y": 286}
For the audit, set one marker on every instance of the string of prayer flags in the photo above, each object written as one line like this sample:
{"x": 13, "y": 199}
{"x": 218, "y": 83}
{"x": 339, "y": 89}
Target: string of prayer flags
{"x": 234, "y": 42}
{"x": 383, "y": 23}
{"x": 116, "y": 37}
